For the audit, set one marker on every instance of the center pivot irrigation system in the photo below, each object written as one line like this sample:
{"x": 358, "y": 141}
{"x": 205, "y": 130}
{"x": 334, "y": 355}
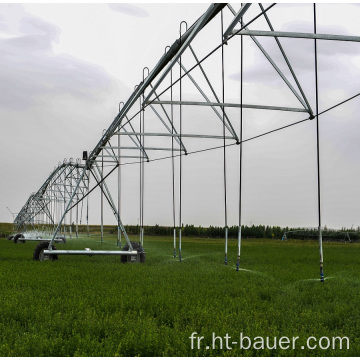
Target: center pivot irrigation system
{"x": 155, "y": 122}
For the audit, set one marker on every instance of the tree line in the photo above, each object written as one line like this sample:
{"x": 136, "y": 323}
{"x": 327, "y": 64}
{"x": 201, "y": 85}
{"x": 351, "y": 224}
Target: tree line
{"x": 254, "y": 231}
{"x": 247, "y": 232}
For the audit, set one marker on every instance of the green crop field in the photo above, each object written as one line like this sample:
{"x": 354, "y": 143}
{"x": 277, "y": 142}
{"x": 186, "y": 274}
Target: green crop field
{"x": 97, "y": 306}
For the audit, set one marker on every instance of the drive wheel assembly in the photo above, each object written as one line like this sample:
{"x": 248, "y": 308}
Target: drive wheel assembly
{"x": 39, "y": 252}
{"x": 19, "y": 238}
{"x": 140, "y": 257}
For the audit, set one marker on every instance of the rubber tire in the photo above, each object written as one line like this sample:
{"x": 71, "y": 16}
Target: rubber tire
{"x": 38, "y": 256}
{"x": 136, "y": 246}
{"x": 10, "y": 237}
{"x": 17, "y": 238}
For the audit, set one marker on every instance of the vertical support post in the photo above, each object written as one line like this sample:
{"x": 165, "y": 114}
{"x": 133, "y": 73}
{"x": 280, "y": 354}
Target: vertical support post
{"x": 119, "y": 186}
{"x": 174, "y": 242}
{"x": 240, "y": 149}
{"x": 49, "y": 194}
{"x": 87, "y": 205}
{"x": 77, "y": 207}
{"x": 143, "y": 181}
{"x": 226, "y": 244}
{"x": 71, "y": 177}
{"x": 64, "y": 188}
{"x": 223, "y": 120}
{"x": 239, "y": 249}
{"x": 102, "y": 196}
{"x": 77, "y": 219}
{"x": 180, "y": 259}
{"x": 318, "y": 157}
{"x": 172, "y": 155}
{"x": 180, "y": 185}
{"x": 140, "y": 171}
{"x": 56, "y": 207}
{"x": 143, "y": 164}
{"x": 51, "y": 220}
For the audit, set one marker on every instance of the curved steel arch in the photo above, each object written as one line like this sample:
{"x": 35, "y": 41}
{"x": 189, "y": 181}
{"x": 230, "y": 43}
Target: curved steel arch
{"x": 40, "y": 207}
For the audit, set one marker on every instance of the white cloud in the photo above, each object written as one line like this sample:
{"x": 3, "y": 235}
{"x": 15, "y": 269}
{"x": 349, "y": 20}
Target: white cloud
{"x": 129, "y": 9}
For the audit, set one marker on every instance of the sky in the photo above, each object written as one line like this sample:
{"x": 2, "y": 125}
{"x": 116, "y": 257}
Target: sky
{"x": 65, "y": 67}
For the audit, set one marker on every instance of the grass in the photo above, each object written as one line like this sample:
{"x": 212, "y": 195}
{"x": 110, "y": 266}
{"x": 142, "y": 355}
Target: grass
{"x": 96, "y": 306}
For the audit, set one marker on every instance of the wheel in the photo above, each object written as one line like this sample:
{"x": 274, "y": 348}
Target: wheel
{"x": 142, "y": 256}
{"x": 18, "y": 238}
{"x": 10, "y": 237}
{"x": 39, "y": 252}
{"x": 131, "y": 258}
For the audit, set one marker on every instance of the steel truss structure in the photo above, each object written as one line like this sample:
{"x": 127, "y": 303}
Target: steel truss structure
{"x": 43, "y": 209}
{"x": 154, "y": 123}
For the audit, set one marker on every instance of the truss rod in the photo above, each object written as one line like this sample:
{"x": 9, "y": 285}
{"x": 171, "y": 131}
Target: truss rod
{"x": 146, "y": 148}
{"x": 97, "y": 184}
{"x": 192, "y": 68}
{"x": 236, "y": 19}
{"x": 204, "y": 74}
{"x": 139, "y": 140}
{"x": 109, "y": 153}
{"x": 130, "y": 135}
{"x": 277, "y": 69}
{"x": 67, "y": 208}
{"x": 287, "y": 62}
{"x": 107, "y": 194}
{"x": 167, "y": 59}
{"x": 296, "y": 35}
{"x": 229, "y": 125}
{"x": 305, "y": 103}
{"x": 122, "y": 156}
{"x": 36, "y": 211}
{"x": 184, "y": 135}
{"x": 174, "y": 130}
{"x": 116, "y": 161}
{"x": 260, "y": 107}
{"x": 211, "y": 11}
{"x": 209, "y": 54}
